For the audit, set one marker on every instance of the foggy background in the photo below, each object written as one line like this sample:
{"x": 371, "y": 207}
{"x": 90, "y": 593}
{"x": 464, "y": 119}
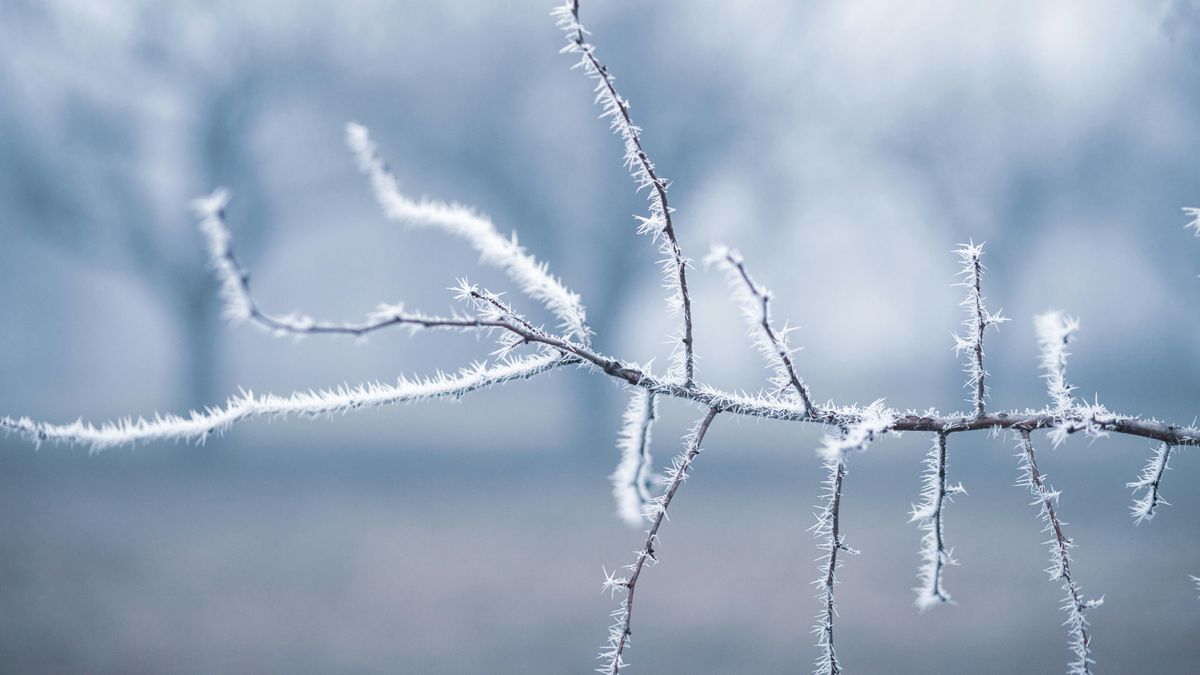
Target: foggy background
{"x": 845, "y": 148}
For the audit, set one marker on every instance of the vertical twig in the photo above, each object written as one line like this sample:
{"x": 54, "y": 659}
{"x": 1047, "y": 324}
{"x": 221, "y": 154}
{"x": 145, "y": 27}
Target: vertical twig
{"x": 930, "y": 514}
{"x": 874, "y": 420}
{"x": 659, "y": 223}
{"x": 977, "y": 321}
{"x": 631, "y": 479}
{"x": 1151, "y": 477}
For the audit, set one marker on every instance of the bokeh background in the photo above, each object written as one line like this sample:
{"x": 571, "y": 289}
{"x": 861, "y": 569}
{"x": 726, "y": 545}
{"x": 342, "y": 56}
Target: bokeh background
{"x": 845, "y": 148}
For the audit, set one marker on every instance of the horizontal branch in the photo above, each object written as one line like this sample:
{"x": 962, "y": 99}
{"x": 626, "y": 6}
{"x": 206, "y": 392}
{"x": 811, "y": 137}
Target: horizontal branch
{"x": 762, "y": 406}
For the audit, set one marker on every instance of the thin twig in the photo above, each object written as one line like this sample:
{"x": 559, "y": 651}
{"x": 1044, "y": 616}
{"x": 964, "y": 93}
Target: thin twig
{"x": 1143, "y": 507}
{"x": 240, "y": 304}
{"x": 756, "y": 304}
{"x": 935, "y": 555}
{"x": 1074, "y": 605}
{"x": 631, "y": 479}
{"x": 642, "y": 169}
{"x": 621, "y": 630}
{"x": 977, "y": 321}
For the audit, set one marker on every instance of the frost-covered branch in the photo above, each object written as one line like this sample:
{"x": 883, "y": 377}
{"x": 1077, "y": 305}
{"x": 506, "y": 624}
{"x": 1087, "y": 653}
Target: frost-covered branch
{"x": 533, "y": 278}
{"x": 659, "y": 223}
{"x": 756, "y": 307}
{"x": 240, "y": 304}
{"x": 620, "y": 632}
{"x": 1151, "y": 477}
{"x": 197, "y": 426}
{"x": 977, "y": 321}
{"x": 930, "y": 513}
{"x": 875, "y": 420}
{"x": 632, "y": 477}
{"x": 1054, "y": 333}
{"x": 1074, "y": 605}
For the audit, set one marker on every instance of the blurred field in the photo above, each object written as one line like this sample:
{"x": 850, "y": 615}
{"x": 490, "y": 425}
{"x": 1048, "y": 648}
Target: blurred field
{"x": 228, "y": 559}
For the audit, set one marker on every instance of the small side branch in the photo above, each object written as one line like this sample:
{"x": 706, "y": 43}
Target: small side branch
{"x": 977, "y": 321}
{"x": 621, "y": 630}
{"x": 875, "y": 421}
{"x": 632, "y": 477}
{"x": 756, "y": 307}
{"x": 532, "y": 277}
{"x": 240, "y": 304}
{"x": 1151, "y": 477}
{"x": 930, "y": 513}
{"x": 659, "y": 224}
{"x": 1074, "y": 605}
{"x": 1054, "y": 332}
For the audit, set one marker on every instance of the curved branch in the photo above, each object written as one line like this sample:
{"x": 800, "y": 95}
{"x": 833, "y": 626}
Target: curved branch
{"x": 240, "y": 304}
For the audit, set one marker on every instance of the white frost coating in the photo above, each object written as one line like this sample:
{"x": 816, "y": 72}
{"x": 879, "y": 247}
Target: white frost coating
{"x": 1060, "y": 545}
{"x": 615, "y": 108}
{"x": 977, "y": 321}
{"x": 199, "y": 425}
{"x": 239, "y": 304}
{"x": 930, "y": 513}
{"x": 211, "y": 210}
{"x": 1143, "y": 507}
{"x": 755, "y": 301}
{"x": 1194, "y": 213}
{"x": 632, "y": 478}
{"x": 874, "y": 420}
{"x": 1054, "y": 332}
{"x": 532, "y": 277}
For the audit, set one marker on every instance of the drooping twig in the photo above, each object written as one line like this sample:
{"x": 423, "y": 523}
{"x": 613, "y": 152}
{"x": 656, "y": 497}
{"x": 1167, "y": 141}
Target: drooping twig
{"x": 1074, "y": 605}
{"x": 977, "y": 321}
{"x": 875, "y": 421}
{"x": 756, "y": 307}
{"x": 930, "y": 513}
{"x": 621, "y": 630}
{"x": 1143, "y": 507}
{"x": 532, "y": 277}
{"x": 631, "y": 479}
{"x": 659, "y": 224}
{"x": 1054, "y": 333}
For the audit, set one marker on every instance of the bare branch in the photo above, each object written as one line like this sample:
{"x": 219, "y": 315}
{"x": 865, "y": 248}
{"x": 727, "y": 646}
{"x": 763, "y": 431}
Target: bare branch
{"x": 935, "y": 555}
{"x": 977, "y": 321}
{"x": 756, "y": 307}
{"x": 533, "y": 278}
{"x": 659, "y": 224}
{"x": 620, "y": 632}
{"x": 1074, "y": 605}
{"x": 632, "y": 477}
{"x": 1151, "y": 477}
